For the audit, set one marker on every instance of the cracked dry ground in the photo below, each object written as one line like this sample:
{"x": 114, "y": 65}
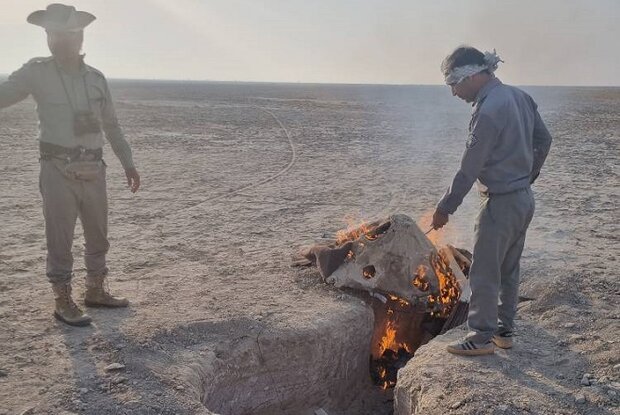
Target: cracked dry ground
{"x": 209, "y": 274}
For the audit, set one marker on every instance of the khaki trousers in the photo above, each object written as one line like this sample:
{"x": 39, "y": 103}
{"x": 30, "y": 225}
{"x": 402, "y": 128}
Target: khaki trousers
{"x": 494, "y": 275}
{"x": 64, "y": 200}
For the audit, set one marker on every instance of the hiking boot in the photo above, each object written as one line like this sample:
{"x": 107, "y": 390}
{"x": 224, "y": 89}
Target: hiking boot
{"x": 503, "y": 339}
{"x": 469, "y": 348}
{"x": 97, "y": 295}
{"x": 66, "y": 310}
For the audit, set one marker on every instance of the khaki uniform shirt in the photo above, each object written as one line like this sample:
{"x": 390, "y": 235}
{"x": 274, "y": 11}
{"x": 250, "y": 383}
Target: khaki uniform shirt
{"x": 506, "y": 148}
{"x": 41, "y": 78}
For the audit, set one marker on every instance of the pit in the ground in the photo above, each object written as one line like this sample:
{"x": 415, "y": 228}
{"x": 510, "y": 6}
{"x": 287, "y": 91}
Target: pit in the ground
{"x": 324, "y": 364}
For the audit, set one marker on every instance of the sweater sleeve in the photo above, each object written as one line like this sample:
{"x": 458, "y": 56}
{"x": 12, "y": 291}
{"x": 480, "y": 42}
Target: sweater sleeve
{"x": 114, "y": 133}
{"x": 482, "y": 139}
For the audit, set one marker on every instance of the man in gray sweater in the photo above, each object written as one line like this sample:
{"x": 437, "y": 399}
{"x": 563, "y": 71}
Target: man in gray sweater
{"x": 75, "y": 110}
{"x": 506, "y": 148}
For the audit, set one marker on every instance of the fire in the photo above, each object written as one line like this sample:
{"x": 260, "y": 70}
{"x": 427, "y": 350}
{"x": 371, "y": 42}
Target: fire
{"x": 388, "y": 341}
{"x": 368, "y": 273}
{"x": 392, "y": 350}
{"x": 383, "y": 373}
{"x": 420, "y": 281}
{"x": 441, "y": 305}
{"x": 393, "y": 353}
{"x": 400, "y": 301}
{"x": 371, "y": 231}
{"x": 396, "y": 335}
{"x": 354, "y": 232}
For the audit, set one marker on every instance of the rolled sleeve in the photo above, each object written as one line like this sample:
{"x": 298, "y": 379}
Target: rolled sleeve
{"x": 481, "y": 141}
{"x": 17, "y": 87}
{"x": 114, "y": 133}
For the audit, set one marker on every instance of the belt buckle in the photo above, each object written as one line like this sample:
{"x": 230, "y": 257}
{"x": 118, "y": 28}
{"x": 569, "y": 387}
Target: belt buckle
{"x": 83, "y": 155}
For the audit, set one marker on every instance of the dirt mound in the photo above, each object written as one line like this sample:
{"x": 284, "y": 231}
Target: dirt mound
{"x": 536, "y": 377}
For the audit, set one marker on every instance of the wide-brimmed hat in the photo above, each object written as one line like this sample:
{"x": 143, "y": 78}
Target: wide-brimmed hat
{"x": 61, "y": 18}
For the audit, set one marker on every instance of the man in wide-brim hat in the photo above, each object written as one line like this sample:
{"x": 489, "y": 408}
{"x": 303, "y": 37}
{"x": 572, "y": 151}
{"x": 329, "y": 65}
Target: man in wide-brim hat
{"x": 61, "y": 18}
{"x": 75, "y": 112}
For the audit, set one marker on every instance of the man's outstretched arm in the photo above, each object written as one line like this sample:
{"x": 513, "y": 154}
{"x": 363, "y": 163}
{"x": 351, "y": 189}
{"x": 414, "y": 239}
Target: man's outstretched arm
{"x": 16, "y": 88}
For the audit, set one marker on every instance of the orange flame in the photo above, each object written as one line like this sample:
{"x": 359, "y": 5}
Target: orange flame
{"x": 353, "y": 232}
{"x": 442, "y": 303}
{"x": 388, "y": 341}
{"x": 400, "y": 301}
{"x": 420, "y": 281}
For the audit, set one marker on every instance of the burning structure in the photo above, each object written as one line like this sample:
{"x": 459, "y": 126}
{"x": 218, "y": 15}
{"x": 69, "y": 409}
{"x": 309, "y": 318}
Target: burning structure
{"x": 416, "y": 290}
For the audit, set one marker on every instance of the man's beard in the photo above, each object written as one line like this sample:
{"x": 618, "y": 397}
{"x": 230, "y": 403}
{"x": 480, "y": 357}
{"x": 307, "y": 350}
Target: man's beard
{"x": 64, "y": 52}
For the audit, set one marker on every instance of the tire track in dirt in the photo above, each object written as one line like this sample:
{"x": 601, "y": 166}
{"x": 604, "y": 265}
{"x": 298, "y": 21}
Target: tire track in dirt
{"x": 253, "y": 185}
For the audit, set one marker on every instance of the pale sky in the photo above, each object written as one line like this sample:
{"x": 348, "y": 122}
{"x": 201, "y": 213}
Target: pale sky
{"x": 544, "y": 42}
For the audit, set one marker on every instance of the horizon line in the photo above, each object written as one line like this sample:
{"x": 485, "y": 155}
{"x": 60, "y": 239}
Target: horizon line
{"x": 3, "y": 75}
{"x": 340, "y": 83}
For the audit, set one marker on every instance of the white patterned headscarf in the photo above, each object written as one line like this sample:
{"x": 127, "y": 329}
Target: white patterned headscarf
{"x": 456, "y": 75}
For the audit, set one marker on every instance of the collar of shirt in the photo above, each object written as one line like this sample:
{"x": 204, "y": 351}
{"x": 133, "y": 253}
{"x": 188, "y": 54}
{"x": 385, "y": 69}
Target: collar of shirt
{"x": 484, "y": 91}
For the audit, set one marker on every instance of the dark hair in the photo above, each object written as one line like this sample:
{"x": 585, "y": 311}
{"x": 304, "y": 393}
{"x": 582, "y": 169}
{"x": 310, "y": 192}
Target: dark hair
{"x": 462, "y": 56}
